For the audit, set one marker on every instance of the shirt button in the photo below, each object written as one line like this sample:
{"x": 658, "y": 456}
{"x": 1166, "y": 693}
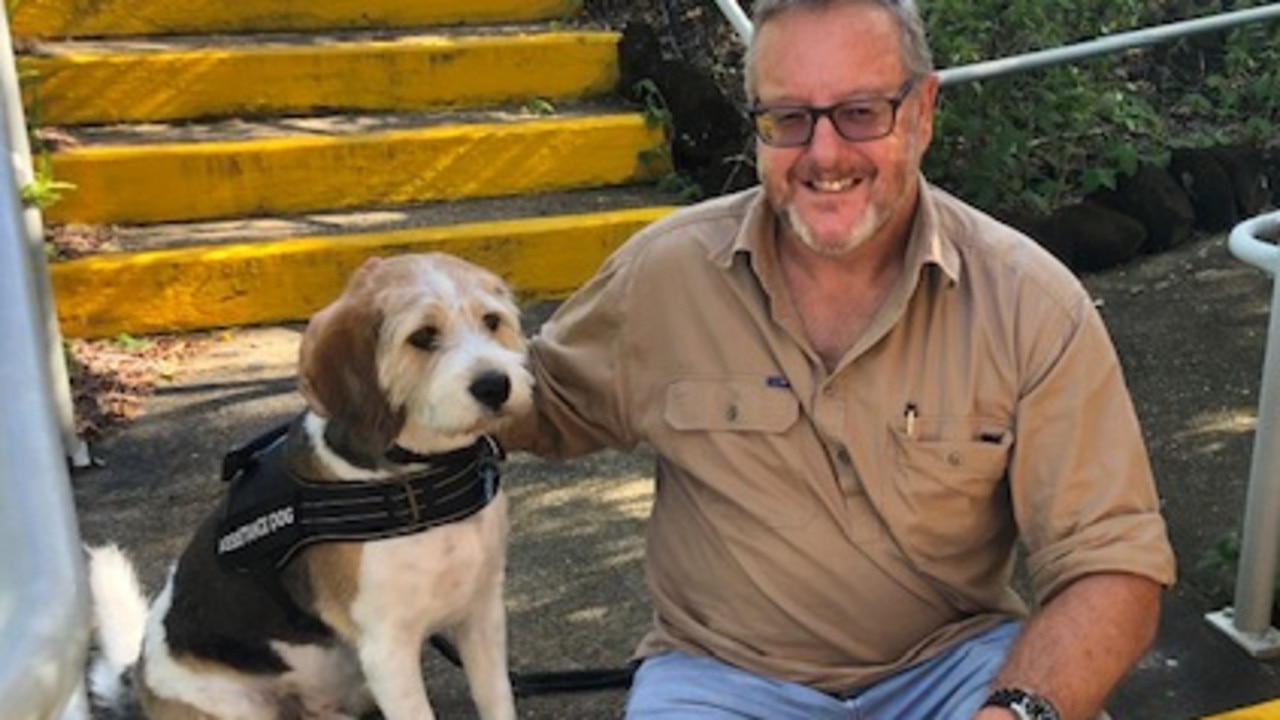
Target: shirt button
{"x": 954, "y": 459}
{"x": 843, "y": 456}
{"x": 731, "y": 413}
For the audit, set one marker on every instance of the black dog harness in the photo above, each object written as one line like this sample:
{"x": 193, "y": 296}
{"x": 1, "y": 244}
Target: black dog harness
{"x": 270, "y": 513}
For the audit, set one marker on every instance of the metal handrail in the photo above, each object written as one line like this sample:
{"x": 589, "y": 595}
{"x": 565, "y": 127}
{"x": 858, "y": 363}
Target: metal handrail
{"x": 1067, "y": 53}
{"x": 19, "y": 148}
{"x": 44, "y": 606}
{"x": 1249, "y": 621}
{"x": 44, "y": 600}
{"x": 1108, "y": 44}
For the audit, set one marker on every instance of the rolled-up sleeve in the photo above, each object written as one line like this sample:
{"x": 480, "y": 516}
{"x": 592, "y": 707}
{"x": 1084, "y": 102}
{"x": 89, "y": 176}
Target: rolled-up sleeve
{"x": 1082, "y": 488}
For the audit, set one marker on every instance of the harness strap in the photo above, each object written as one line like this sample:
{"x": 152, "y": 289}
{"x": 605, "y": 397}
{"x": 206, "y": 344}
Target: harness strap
{"x": 270, "y": 513}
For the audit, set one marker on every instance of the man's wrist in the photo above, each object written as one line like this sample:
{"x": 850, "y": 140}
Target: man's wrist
{"x": 1022, "y": 704}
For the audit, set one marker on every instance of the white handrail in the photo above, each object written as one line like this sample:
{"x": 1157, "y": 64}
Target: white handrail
{"x": 44, "y": 606}
{"x": 1068, "y": 53}
{"x": 1107, "y": 44}
{"x": 15, "y": 142}
{"x": 1249, "y": 621}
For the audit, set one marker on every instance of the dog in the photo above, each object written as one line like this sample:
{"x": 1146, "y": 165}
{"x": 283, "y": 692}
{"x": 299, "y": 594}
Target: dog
{"x": 287, "y": 609}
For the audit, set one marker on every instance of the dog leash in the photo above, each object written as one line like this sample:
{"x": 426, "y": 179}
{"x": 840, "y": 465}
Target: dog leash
{"x": 528, "y": 684}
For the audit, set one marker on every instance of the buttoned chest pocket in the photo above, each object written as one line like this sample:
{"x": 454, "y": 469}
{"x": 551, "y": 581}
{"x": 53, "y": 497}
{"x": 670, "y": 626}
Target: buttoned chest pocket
{"x": 729, "y": 406}
{"x": 734, "y": 440}
{"x": 949, "y": 498}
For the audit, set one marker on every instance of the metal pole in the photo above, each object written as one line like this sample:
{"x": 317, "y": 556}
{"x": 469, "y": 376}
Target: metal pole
{"x": 1249, "y": 622}
{"x": 737, "y": 18}
{"x": 1108, "y": 44}
{"x": 20, "y": 150}
{"x": 1065, "y": 54}
{"x": 44, "y": 598}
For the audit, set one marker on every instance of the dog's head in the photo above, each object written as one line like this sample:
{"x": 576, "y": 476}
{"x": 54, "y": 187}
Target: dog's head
{"x": 422, "y": 349}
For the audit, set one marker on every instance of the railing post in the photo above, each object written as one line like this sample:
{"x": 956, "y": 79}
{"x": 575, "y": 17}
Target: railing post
{"x": 1249, "y": 621}
{"x": 19, "y": 149}
{"x": 44, "y": 600}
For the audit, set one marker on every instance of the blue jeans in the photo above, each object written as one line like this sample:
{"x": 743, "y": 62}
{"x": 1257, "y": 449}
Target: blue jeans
{"x": 951, "y": 686}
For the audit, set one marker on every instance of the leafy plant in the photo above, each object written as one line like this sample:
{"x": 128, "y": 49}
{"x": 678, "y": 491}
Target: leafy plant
{"x": 656, "y": 114}
{"x": 539, "y": 106}
{"x": 44, "y": 190}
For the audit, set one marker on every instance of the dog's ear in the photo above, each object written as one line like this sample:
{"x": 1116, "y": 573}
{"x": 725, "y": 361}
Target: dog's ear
{"x": 338, "y": 373}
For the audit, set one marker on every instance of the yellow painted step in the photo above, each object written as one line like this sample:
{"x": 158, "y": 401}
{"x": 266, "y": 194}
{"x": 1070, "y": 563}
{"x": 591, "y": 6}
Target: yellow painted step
{"x": 420, "y": 72}
{"x": 1263, "y": 711}
{"x": 279, "y": 176}
{"x": 229, "y": 286}
{"x": 94, "y": 18}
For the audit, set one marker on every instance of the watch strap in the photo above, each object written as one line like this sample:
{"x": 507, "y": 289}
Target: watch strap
{"x": 1024, "y": 703}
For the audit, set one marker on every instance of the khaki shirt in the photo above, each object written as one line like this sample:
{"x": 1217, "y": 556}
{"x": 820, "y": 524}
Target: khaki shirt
{"x": 833, "y": 528}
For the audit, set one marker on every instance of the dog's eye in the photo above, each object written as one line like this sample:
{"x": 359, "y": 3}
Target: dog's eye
{"x": 493, "y": 321}
{"x": 425, "y": 338}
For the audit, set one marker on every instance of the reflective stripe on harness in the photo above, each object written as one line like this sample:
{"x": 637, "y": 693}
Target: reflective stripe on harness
{"x": 269, "y": 512}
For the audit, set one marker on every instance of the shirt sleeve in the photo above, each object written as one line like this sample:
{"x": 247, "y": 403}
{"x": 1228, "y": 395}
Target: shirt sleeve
{"x": 578, "y": 360}
{"x": 1081, "y": 482}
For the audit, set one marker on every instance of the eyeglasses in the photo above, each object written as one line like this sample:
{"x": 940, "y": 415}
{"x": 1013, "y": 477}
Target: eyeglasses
{"x": 788, "y": 126}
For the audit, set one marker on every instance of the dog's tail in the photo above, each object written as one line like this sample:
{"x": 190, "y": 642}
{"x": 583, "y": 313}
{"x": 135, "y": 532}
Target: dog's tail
{"x": 120, "y": 620}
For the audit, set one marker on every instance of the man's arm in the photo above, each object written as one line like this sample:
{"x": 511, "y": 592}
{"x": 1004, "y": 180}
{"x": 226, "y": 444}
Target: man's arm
{"x": 1082, "y": 643}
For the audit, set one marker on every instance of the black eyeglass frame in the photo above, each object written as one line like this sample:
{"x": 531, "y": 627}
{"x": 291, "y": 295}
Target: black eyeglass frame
{"x": 895, "y": 101}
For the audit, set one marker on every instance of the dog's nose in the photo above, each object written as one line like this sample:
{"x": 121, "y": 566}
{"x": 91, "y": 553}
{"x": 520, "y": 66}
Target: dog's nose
{"x": 492, "y": 389}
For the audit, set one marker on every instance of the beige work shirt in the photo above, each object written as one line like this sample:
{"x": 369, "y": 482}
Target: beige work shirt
{"x": 833, "y": 528}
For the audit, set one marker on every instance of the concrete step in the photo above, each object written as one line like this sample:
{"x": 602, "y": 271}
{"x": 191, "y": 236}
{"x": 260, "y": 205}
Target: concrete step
{"x": 231, "y": 284}
{"x": 147, "y": 80}
{"x": 248, "y": 156}
{"x": 136, "y": 183}
{"x": 97, "y": 18}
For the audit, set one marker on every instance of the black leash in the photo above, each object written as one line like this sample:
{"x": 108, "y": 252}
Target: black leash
{"x": 553, "y": 681}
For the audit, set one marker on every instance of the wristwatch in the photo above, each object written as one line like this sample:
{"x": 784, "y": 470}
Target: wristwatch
{"x": 1026, "y": 705}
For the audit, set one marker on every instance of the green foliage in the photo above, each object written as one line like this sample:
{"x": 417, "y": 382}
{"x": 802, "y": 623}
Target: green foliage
{"x": 44, "y": 190}
{"x": 539, "y": 106}
{"x": 1030, "y": 141}
{"x": 129, "y": 343}
{"x": 656, "y": 114}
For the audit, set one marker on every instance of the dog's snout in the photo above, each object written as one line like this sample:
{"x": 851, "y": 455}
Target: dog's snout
{"x": 492, "y": 389}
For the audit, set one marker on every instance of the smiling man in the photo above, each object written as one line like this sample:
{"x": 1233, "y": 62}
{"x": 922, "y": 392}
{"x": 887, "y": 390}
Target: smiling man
{"x": 863, "y": 394}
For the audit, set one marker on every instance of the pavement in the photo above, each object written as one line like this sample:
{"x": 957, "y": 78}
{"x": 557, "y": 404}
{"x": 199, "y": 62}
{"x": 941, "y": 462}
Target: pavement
{"x": 1189, "y": 325}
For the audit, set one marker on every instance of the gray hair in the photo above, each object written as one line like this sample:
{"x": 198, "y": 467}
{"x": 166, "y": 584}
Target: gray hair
{"x": 916, "y": 56}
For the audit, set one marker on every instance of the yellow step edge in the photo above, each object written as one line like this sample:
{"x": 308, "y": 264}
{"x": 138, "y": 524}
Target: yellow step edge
{"x": 92, "y": 18}
{"x": 274, "y": 176}
{"x": 413, "y": 74}
{"x": 1264, "y": 711}
{"x": 239, "y": 285}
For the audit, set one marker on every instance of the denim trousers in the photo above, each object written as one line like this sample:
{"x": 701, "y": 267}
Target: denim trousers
{"x": 951, "y": 686}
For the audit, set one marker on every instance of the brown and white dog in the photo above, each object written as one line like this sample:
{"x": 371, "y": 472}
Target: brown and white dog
{"x": 419, "y": 359}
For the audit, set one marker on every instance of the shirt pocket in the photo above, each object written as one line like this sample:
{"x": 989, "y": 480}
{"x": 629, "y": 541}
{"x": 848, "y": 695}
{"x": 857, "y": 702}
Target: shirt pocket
{"x": 949, "y": 500}
{"x": 729, "y": 406}
{"x": 734, "y": 442}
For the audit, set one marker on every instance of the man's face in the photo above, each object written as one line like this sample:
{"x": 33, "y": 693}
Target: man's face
{"x": 835, "y": 194}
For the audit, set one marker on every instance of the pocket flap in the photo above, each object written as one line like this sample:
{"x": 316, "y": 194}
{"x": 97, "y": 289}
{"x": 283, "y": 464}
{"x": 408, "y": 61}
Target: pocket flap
{"x": 730, "y": 405}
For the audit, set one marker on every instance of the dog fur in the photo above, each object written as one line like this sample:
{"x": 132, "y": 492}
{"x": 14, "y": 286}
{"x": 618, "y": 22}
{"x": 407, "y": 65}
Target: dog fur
{"x": 420, "y": 351}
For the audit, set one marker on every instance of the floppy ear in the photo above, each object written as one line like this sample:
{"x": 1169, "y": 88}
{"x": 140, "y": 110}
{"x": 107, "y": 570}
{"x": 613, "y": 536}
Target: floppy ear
{"x": 338, "y": 375}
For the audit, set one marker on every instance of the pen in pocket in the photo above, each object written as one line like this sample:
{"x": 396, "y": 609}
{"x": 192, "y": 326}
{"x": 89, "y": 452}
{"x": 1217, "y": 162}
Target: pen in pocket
{"x": 909, "y": 416}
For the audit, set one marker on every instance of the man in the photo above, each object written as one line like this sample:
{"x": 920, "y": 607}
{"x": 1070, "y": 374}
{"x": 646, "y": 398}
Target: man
{"x": 861, "y": 393}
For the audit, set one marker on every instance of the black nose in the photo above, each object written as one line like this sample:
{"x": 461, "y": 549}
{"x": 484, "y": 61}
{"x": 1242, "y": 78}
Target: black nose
{"x": 492, "y": 389}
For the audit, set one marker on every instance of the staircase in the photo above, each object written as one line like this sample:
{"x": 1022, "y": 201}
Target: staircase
{"x": 248, "y": 155}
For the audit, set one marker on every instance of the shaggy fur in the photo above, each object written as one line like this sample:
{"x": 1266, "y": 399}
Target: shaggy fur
{"x": 424, "y": 352}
